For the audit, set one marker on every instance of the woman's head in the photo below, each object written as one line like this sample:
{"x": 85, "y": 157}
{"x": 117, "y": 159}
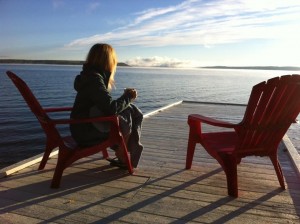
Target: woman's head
{"x": 103, "y": 57}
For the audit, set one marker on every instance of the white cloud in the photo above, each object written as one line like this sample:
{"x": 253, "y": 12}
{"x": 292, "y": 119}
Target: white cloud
{"x": 207, "y": 23}
{"x": 158, "y": 61}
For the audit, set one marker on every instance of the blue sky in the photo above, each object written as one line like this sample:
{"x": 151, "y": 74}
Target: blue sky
{"x": 173, "y": 33}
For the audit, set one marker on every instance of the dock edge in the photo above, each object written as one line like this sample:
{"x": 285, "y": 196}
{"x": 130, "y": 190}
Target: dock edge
{"x": 293, "y": 153}
{"x": 25, "y": 163}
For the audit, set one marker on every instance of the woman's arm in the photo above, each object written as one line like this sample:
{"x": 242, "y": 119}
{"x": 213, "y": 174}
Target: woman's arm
{"x": 103, "y": 100}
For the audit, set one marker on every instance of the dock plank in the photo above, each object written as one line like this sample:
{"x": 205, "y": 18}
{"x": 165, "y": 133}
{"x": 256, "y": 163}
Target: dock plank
{"x": 161, "y": 190}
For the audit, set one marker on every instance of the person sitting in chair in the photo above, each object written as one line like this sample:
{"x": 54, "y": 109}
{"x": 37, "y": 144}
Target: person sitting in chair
{"x": 93, "y": 86}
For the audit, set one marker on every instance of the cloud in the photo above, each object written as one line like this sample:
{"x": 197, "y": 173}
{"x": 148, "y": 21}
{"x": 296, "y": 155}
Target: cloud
{"x": 207, "y": 23}
{"x": 158, "y": 61}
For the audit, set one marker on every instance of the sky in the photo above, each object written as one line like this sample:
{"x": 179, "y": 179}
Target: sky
{"x": 164, "y": 33}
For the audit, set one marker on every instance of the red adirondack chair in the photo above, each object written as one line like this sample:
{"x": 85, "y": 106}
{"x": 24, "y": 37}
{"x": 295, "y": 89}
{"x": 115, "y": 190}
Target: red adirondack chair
{"x": 69, "y": 151}
{"x": 272, "y": 107}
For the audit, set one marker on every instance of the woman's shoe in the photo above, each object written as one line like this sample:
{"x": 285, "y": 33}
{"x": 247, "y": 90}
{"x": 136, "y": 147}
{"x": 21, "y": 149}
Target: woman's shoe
{"x": 116, "y": 162}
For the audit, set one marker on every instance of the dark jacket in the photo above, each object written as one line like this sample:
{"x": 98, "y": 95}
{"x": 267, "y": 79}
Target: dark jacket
{"x": 91, "y": 86}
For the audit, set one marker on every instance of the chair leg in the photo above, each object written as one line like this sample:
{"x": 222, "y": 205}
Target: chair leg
{"x": 127, "y": 159}
{"x": 63, "y": 157}
{"x": 57, "y": 176}
{"x": 44, "y": 160}
{"x": 48, "y": 150}
{"x": 230, "y": 168}
{"x": 278, "y": 170}
{"x": 190, "y": 151}
{"x": 105, "y": 153}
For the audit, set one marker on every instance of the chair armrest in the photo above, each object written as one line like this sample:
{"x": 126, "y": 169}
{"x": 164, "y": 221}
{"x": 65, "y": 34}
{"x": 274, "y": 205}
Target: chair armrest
{"x": 211, "y": 121}
{"x": 57, "y": 109}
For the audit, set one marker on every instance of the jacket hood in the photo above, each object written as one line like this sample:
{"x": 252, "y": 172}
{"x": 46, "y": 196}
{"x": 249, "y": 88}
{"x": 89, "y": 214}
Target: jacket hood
{"x": 90, "y": 75}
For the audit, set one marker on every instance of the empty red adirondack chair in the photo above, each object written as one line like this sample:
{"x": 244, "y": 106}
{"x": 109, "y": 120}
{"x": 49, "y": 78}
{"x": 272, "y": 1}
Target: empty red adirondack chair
{"x": 69, "y": 151}
{"x": 272, "y": 107}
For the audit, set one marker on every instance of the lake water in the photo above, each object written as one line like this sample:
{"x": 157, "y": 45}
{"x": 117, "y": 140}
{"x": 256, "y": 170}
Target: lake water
{"x": 21, "y": 136}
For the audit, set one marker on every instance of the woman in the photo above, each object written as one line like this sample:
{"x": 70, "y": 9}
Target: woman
{"x": 93, "y": 86}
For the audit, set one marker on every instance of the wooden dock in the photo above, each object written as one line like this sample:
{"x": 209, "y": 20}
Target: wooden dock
{"x": 161, "y": 190}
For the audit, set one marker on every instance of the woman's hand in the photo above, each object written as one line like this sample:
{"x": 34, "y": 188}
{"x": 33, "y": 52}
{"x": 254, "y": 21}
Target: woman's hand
{"x": 132, "y": 92}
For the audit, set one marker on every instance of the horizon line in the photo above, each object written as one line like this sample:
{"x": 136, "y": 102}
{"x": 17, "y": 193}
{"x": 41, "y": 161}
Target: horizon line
{"x": 80, "y": 62}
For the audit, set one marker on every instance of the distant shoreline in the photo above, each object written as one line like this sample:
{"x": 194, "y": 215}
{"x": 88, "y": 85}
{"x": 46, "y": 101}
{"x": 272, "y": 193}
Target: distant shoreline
{"x": 286, "y": 68}
{"x": 47, "y": 62}
{"x": 68, "y": 62}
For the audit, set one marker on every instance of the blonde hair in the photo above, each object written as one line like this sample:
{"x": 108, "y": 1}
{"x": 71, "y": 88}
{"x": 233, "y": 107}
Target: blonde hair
{"x": 104, "y": 57}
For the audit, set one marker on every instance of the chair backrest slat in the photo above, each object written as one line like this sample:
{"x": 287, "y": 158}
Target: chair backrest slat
{"x": 271, "y": 109}
{"x": 35, "y": 106}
